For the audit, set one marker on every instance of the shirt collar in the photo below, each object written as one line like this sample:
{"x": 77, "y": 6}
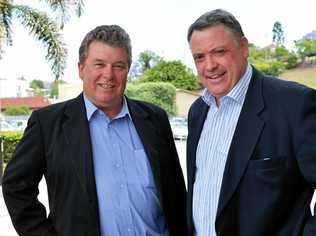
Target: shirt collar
{"x": 91, "y": 109}
{"x": 238, "y": 92}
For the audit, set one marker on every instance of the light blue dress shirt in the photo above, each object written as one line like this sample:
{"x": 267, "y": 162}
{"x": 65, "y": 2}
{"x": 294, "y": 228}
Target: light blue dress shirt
{"x": 212, "y": 151}
{"x": 127, "y": 196}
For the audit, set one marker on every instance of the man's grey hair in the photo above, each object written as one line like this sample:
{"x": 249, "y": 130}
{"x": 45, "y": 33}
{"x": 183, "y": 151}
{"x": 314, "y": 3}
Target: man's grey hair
{"x": 112, "y": 35}
{"x": 214, "y": 18}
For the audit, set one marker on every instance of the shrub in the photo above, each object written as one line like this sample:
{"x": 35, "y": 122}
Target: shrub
{"x": 273, "y": 68}
{"x": 10, "y": 140}
{"x": 174, "y": 72}
{"x": 158, "y": 93}
{"x": 292, "y": 61}
{"x": 17, "y": 111}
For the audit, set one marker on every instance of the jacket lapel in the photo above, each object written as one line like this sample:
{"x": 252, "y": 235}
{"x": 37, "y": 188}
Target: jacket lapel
{"x": 77, "y": 135}
{"x": 247, "y": 132}
{"x": 196, "y": 122}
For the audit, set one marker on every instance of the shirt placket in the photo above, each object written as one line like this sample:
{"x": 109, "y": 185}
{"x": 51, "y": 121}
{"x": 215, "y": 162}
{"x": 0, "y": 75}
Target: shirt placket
{"x": 122, "y": 184}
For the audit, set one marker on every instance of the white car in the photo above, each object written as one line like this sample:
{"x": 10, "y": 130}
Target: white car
{"x": 179, "y": 127}
{"x": 6, "y": 126}
{"x": 19, "y": 125}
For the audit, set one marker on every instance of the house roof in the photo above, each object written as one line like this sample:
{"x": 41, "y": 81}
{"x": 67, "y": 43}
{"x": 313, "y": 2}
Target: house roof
{"x": 30, "y": 102}
{"x": 311, "y": 35}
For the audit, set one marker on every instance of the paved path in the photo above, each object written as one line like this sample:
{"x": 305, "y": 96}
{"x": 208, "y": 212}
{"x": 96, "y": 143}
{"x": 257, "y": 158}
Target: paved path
{"x": 6, "y": 227}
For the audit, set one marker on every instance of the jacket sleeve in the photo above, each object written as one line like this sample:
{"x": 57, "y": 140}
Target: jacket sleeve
{"x": 305, "y": 148}
{"x": 20, "y": 183}
{"x": 177, "y": 202}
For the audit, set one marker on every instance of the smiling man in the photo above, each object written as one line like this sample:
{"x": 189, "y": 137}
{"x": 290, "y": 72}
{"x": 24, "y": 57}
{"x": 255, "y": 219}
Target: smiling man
{"x": 251, "y": 147}
{"x": 110, "y": 162}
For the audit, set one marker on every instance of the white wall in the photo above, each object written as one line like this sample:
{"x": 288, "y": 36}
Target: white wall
{"x": 13, "y": 87}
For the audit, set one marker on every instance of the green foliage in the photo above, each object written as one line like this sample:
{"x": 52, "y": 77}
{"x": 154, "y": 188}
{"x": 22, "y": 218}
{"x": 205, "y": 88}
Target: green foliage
{"x": 273, "y": 68}
{"x": 272, "y": 62}
{"x": 38, "y": 86}
{"x": 289, "y": 59}
{"x": 17, "y": 111}
{"x": 47, "y": 31}
{"x": 79, "y": 7}
{"x": 255, "y": 53}
{"x": 148, "y": 59}
{"x": 38, "y": 92}
{"x": 278, "y": 34}
{"x": 62, "y": 8}
{"x": 131, "y": 90}
{"x": 35, "y": 83}
{"x": 145, "y": 61}
{"x": 10, "y": 140}
{"x": 159, "y": 93}
{"x": 306, "y": 48}
{"x": 281, "y": 52}
{"x": 174, "y": 72}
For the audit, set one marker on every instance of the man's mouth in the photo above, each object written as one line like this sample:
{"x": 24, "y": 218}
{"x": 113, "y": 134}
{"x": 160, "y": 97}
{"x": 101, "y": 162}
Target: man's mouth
{"x": 216, "y": 76}
{"x": 107, "y": 85}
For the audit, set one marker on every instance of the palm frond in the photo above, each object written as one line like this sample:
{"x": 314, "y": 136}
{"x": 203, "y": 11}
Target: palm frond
{"x": 46, "y": 31}
{"x": 5, "y": 22}
{"x": 61, "y": 8}
{"x": 79, "y": 7}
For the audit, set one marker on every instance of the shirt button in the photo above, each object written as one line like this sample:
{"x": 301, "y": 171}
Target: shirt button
{"x": 129, "y": 229}
{"x": 122, "y": 186}
{"x": 117, "y": 165}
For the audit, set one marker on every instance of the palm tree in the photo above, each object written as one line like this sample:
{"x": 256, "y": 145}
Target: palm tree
{"x": 43, "y": 27}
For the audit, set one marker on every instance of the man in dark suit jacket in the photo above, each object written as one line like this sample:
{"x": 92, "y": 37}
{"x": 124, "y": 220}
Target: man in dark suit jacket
{"x": 144, "y": 194}
{"x": 251, "y": 148}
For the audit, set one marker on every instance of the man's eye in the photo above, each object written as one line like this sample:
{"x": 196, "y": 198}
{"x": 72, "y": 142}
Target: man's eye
{"x": 220, "y": 52}
{"x": 198, "y": 58}
{"x": 120, "y": 66}
{"x": 98, "y": 65}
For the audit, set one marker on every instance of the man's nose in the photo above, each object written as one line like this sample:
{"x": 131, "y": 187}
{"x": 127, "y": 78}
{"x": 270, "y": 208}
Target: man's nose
{"x": 107, "y": 71}
{"x": 211, "y": 64}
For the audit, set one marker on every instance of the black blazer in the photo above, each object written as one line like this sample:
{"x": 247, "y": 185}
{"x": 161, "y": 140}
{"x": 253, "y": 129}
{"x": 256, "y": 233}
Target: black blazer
{"x": 57, "y": 144}
{"x": 264, "y": 197}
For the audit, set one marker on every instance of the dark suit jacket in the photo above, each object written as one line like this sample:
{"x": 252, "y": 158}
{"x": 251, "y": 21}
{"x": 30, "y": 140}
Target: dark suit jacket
{"x": 57, "y": 144}
{"x": 264, "y": 197}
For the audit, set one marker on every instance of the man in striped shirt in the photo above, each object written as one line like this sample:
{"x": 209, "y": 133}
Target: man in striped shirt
{"x": 251, "y": 144}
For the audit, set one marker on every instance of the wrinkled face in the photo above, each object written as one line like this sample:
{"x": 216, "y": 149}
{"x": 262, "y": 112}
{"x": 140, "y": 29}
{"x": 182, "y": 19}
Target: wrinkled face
{"x": 220, "y": 60}
{"x": 104, "y": 75}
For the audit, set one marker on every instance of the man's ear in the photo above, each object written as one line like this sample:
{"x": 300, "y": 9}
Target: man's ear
{"x": 80, "y": 69}
{"x": 244, "y": 46}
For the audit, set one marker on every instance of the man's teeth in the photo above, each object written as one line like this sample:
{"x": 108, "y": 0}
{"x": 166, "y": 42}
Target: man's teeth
{"x": 108, "y": 85}
{"x": 215, "y": 76}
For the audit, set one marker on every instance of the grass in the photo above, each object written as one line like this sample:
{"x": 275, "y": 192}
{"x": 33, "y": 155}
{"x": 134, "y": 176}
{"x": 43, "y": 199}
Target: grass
{"x": 306, "y": 76}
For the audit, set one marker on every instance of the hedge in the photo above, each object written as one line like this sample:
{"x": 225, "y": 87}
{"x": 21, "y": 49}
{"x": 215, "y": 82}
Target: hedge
{"x": 159, "y": 93}
{"x": 10, "y": 140}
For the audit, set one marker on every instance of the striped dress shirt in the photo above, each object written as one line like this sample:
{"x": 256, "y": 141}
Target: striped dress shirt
{"x": 211, "y": 154}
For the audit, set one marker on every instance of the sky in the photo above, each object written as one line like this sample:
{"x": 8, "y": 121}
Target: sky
{"x": 159, "y": 26}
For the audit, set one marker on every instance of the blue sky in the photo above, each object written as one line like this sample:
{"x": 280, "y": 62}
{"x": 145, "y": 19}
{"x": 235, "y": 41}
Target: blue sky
{"x": 159, "y": 26}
